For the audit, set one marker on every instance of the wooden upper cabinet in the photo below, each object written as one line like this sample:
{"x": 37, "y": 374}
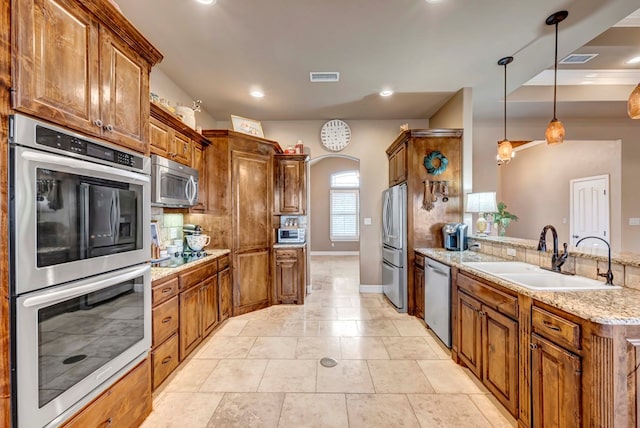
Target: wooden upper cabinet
{"x": 198, "y": 162}
{"x": 252, "y": 193}
{"x": 86, "y": 68}
{"x": 173, "y": 139}
{"x": 181, "y": 148}
{"x": 290, "y": 185}
{"x": 158, "y": 137}
{"x": 124, "y": 93}
{"x": 398, "y": 165}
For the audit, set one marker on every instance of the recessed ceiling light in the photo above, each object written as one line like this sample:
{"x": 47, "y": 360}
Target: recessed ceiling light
{"x": 435, "y": 1}
{"x": 386, "y": 93}
{"x": 256, "y": 93}
{"x": 207, "y": 1}
{"x": 634, "y": 60}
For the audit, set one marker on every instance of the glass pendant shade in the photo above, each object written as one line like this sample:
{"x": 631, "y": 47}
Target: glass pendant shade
{"x": 505, "y": 151}
{"x": 633, "y": 106}
{"x": 555, "y": 132}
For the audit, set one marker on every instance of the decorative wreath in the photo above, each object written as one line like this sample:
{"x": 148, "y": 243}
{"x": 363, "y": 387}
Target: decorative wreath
{"x": 442, "y": 163}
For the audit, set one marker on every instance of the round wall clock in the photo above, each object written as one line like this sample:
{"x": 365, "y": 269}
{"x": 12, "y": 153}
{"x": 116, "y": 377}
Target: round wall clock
{"x": 335, "y": 135}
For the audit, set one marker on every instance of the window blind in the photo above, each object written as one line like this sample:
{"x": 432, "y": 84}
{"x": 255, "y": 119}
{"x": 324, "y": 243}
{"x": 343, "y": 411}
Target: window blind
{"x": 344, "y": 215}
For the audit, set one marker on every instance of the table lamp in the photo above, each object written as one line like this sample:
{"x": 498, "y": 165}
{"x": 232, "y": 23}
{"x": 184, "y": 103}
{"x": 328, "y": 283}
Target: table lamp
{"x": 481, "y": 203}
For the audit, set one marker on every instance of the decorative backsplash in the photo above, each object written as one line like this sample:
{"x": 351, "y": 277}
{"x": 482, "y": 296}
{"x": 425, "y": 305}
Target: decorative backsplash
{"x": 169, "y": 225}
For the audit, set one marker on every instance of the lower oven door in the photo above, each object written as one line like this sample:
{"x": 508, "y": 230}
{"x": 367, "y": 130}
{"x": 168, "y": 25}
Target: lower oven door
{"x": 71, "y": 339}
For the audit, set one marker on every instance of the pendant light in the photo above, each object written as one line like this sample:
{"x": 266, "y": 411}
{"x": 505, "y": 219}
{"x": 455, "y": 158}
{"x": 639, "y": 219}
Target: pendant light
{"x": 633, "y": 106}
{"x": 555, "y": 130}
{"x": 505, "y": 149}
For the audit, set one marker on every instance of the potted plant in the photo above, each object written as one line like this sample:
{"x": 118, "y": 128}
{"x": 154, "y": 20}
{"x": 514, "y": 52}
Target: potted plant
{"x": 503, "y": 217}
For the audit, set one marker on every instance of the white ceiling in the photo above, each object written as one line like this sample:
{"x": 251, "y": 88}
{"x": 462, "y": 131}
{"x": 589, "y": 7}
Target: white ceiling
{"x": 424, "y": 51}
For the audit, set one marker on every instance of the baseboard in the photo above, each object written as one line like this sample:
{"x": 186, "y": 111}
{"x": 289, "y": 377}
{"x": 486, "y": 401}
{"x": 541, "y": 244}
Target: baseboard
{"x": 371, "y": 289}
{"x": 309, "y": 289}
{"x": 335, "y": 253}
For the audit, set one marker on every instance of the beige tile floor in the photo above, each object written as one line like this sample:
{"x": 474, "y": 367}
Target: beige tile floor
{"x": 262, "y": 369}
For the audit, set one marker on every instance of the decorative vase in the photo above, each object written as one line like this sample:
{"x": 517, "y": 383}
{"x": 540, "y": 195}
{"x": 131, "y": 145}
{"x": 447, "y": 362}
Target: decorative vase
{"x": 502, "y": 226}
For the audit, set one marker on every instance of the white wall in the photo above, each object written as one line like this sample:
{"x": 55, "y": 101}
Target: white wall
{"x": 369, "y": 140}
{"x": 162, "y": 85}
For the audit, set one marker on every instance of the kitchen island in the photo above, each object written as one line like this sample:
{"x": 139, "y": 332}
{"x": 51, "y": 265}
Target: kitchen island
{"x": 552, "y": 358}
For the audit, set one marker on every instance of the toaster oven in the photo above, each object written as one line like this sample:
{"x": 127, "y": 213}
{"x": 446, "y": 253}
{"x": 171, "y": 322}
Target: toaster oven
{"x": 291, "y": 236}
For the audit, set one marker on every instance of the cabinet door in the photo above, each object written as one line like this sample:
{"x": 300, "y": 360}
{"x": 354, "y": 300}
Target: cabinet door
{"x": 225, "y": 293}
{"x": 418, "y": 286}
{"x": 209, "y": 300}
{"x": 555, "y": 384}
{"x": 470, "y": 333}
{"x": 287, "y": 276}
{"x": 198, "y": 162}
{"x": 190, "y": 320}
{"x": 159, "y": 136}
{"x": 251, "y": 281}
{"x": 55, "y": 73}
{"x": 401, "y": 164}
{"x": 252, "y": 184}
{"x": 124, "y": 83}
{"x": 180, "y": 148}
{"x": 500, "y": 357}
{"x": 290, "y": 187}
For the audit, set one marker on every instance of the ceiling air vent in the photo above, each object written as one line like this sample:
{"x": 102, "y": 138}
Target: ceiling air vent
{"x": 578, "y": 58}
{"x": 324, "y": 76}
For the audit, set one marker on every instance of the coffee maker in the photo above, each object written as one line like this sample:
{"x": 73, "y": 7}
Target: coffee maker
{"x": 454, "y": 236}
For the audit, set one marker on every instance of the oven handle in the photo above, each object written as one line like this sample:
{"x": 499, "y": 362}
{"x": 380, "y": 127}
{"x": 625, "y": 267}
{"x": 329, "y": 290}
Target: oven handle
{"x": 70, "y": 293}
{"x": 85, "y": 166}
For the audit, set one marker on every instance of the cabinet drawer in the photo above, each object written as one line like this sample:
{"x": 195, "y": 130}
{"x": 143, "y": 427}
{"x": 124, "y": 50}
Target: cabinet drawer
{"x": 164, "y": 291}
{"x": 126, "y": 404}
{"x": 555, "y": 328}
{"x": 286, "y": 254}
{"x": 419, "y": 260}
{"x": 164, "y": 360}
{"x": 502, "y": 302}
{"x": 223, "y": 262}
{"x": 198, "y": 274}
{"x": 165, "y": 320}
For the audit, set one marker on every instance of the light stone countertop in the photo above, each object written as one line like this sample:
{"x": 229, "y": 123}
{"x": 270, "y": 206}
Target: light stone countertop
{"x": 618, "y": 306}
{"x": 290, "y": 245}
{"x": 162, "y": 272}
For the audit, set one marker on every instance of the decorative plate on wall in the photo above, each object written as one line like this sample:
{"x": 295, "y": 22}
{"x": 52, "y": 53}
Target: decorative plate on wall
{"x": 335, "y": 135}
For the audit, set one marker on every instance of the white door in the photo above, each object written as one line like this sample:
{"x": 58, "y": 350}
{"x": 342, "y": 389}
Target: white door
{"x": 590, "y": 210}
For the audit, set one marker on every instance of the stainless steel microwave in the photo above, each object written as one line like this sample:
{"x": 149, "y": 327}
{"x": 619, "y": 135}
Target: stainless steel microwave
{"x": 291, "y": 236}
{"x": 172, "y": 184}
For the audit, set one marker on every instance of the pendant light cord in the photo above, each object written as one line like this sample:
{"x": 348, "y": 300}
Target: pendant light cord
{"x": 555, "y": 76}
{"x": 505, "y": 102}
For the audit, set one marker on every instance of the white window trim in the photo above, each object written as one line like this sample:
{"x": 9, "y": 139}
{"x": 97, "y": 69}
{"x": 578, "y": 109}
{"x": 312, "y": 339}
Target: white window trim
{"x": 353, "y": 238}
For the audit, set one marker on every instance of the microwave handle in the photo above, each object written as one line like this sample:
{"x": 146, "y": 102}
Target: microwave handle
{"x": 191, "y": 190}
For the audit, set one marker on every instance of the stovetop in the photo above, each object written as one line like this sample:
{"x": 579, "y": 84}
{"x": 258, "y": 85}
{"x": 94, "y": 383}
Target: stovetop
{"x": 179, "y": 259}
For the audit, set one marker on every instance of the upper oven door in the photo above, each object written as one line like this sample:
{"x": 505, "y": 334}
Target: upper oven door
{"x": 74, "y": 218}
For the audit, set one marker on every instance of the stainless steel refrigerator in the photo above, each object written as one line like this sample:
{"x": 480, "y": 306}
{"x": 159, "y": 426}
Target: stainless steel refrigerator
{"x": 394, "y": 241}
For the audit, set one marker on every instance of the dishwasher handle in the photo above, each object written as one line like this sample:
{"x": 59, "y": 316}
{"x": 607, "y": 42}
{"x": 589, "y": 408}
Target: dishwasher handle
{"x": 438, "y": 271}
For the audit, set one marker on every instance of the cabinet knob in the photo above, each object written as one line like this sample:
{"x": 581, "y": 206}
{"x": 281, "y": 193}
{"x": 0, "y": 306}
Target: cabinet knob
{"x": 533, "y": 346}
{"x": 167, "y": 359}
{"x": 108, "y": 128}
{"x": 98, "y": 123}
{"x": 166, "y": 320}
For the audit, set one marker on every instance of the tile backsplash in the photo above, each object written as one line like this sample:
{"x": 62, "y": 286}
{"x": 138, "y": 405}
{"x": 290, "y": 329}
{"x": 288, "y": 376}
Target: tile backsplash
{"x": 169, "y": 225}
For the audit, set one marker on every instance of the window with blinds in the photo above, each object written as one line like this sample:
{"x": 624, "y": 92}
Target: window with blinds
{"x": 344, "y": 206}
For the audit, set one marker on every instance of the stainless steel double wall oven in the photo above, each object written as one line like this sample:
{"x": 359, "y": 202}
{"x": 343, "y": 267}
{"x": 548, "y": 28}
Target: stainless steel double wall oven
{"x": 79, "y": 277}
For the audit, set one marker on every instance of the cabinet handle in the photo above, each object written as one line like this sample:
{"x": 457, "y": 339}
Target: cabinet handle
{"x": 108, "y": 422}
{"x": 533, "y": 346}
{"x": 108, "y": 128}
{"x": 551, "y": 326}
{"x": 167, "y": 359}
{"x": 166, "y": 290}
{"x": 98, "y": 123}
{"x": 482, "y": 314}
{"x": 166, "y": 320}
{"x": 185, "y": 149}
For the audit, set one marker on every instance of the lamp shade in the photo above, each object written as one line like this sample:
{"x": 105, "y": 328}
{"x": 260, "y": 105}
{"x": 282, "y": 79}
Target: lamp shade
{"x": 505, "y": 151}
{"x": 555, "y": 132}
{"x": 633, "y": 106}
{"x": 484, "y": 202}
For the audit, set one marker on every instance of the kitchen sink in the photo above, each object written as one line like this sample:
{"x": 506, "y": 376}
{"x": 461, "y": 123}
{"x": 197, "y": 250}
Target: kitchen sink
{"x": 535, "y": 278}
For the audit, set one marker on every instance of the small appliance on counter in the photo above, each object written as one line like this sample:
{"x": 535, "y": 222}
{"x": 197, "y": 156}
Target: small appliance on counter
{"x": 454, "y": 236}
{"x": 193, "y": 238}
{"x": 292, "y": 230}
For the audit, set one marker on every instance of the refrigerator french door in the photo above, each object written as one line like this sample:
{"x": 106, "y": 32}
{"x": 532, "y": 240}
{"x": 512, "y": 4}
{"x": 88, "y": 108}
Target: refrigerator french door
{"x": 394, "y": 239}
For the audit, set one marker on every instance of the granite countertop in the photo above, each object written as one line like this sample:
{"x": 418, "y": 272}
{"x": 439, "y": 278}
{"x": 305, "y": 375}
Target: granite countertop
{"x": 290, "y": 245}
{"x": 162, "y": 272}
{"x": 618, "y": 306}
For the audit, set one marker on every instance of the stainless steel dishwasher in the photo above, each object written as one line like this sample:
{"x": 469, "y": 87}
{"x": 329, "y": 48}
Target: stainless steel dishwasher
{"x": 437, "y": 299}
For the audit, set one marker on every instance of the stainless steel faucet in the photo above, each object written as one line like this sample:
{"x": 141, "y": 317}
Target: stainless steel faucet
{"x": 609, "y": 274}
{"x": 556, "y": 260}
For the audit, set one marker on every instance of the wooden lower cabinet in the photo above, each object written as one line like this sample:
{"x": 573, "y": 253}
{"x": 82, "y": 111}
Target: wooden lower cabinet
{"x": 418, "y": 284}
{"x": 209, "y": 300}
{"x": 225, "y": 293}
{"x": 164, "y": 359}
{"x": 251, "y": 281}
{"x": 125, "y": 404}
{"x": 487, "y": 341}
{"x": 556, "y": 382}
{"x": 190, "y": 320}
{"x": 289, "y": 275}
